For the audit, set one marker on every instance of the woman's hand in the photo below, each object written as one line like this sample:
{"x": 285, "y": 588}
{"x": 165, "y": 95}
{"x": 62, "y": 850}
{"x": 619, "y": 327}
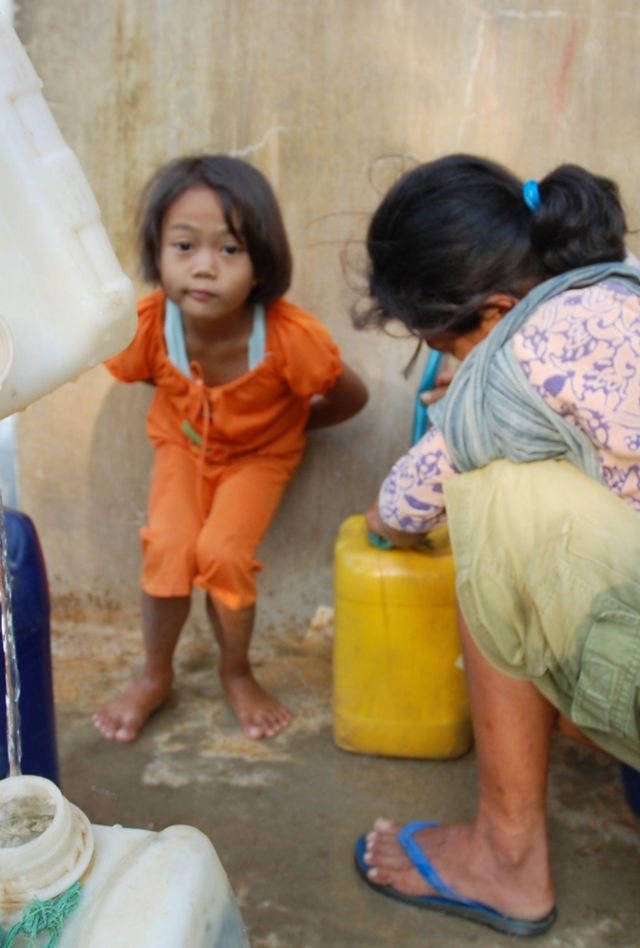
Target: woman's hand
{"x": 433, "y": 395}
{"x": 375, "y": 524}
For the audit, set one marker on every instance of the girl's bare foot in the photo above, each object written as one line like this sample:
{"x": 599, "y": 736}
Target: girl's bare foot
{"x": 258, "y": 713}
{"x": 514, "y": 883}
{"x": 123, "y": 718}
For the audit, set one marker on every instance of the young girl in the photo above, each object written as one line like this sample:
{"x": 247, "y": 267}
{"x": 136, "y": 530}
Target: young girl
{"x": 240, "y": 375}
{"x": 534, "y": 459}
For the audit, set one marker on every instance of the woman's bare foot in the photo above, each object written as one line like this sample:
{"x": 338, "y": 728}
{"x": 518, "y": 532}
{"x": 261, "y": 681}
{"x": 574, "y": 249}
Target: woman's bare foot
{"x": 259, "y": 715}
{"x": 123, "y": 718}
{"x": 515, "y": 883}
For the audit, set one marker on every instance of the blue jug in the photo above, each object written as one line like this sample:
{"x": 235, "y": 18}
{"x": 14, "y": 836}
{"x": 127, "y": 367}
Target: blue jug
{"x": 31, "y": 623}
{"x": 631, "y": 784}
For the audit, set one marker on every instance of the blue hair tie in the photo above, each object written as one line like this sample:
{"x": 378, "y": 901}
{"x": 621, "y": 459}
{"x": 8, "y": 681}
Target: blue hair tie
{"x": 531, "y": 195}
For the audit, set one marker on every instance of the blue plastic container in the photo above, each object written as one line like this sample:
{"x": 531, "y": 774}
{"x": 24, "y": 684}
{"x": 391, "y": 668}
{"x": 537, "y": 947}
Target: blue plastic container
{"x": 631, "y": 784}
{"x": 31, "y": 622}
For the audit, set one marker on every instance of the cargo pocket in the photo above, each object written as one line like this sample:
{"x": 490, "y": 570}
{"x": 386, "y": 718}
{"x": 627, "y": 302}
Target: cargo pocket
{"x": 606, "y": 693}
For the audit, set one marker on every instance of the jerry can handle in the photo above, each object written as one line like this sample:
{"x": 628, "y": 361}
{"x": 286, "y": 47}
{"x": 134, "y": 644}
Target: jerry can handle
{"x": 381, "y": 543}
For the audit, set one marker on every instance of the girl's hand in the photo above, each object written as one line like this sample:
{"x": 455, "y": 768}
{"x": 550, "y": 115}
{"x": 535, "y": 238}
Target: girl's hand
{"x": 343, "y": 400}
{"x": 443, "y": 381}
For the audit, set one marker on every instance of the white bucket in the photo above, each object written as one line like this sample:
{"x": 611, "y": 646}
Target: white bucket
{"x": 139, "y": 889}
{"x": 65, "y": 303}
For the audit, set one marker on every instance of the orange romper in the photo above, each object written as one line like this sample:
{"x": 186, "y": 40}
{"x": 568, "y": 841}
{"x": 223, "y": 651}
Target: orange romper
{"x": 210, "y": 503}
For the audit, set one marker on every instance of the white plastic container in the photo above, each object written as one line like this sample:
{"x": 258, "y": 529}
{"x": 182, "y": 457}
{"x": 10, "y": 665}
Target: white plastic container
{"x": 139, "y": 889}
{"x": 65, "y": 303}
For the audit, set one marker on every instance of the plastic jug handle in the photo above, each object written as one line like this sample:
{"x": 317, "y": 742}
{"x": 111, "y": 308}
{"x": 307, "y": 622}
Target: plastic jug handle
{"x": 374, "y": 539}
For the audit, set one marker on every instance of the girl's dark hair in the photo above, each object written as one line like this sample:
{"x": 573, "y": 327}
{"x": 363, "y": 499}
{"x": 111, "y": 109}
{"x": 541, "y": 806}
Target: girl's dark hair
{"x": 250, "y": 210}
{"x": 451, "y": 232}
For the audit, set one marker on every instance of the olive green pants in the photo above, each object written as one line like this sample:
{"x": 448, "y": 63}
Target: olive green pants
{"x": 548, "y": 580}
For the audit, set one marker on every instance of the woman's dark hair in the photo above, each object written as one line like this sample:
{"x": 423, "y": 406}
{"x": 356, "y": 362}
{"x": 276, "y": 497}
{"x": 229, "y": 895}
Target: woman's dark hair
{"x": 451, "y": 232}
{"x": 250, "y": 210}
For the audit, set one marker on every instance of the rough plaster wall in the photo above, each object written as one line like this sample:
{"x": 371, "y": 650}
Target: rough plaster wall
{"x": 331, "y": 99}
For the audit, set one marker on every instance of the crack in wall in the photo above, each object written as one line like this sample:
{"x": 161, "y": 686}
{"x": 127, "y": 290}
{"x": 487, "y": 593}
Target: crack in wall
{"x": 258, "y": 146}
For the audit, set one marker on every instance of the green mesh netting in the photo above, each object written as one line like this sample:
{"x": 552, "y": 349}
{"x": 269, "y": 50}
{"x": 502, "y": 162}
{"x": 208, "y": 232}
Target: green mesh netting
{"x": 41, "y": 918}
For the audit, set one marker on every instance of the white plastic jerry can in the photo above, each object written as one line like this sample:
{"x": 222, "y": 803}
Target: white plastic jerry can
{"x": 131, "y": 888}
{"x": 65, "y": 303}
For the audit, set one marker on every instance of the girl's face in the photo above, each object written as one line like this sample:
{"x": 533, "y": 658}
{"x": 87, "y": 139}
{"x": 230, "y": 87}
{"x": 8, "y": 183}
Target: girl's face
{"x": 204, "y": 269}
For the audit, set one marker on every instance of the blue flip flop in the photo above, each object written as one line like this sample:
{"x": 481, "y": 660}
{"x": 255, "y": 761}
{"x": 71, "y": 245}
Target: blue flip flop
{"x": 448, "y": 901}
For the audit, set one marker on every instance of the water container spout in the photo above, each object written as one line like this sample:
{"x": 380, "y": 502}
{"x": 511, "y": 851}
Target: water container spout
{"x": 115, "y": 886}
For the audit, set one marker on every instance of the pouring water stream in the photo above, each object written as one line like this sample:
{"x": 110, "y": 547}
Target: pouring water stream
{"x": 11, "y": 673}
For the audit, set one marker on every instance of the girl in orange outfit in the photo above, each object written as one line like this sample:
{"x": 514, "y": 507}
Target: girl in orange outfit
{"x": 240, "y": 375}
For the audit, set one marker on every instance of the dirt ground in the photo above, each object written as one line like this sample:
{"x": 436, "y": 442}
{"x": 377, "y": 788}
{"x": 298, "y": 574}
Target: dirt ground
{"x": 284, "y": 814}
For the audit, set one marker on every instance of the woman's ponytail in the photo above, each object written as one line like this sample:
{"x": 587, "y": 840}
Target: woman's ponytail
{"x": 454, "y": 231}
{"x": 580, "y": 220}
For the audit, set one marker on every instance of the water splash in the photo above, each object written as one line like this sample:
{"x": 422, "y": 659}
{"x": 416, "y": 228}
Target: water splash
{"x": 11, "y": 673}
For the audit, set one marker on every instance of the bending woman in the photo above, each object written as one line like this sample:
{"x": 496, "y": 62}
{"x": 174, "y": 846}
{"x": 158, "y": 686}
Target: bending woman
{"x": 534, "y": 461}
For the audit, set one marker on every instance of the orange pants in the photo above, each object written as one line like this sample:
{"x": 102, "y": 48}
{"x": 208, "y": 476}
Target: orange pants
{"x": 205, "y": 524}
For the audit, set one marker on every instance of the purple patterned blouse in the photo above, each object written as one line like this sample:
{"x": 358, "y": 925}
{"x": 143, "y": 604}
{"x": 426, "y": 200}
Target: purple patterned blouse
{"x": 581, "y": 352}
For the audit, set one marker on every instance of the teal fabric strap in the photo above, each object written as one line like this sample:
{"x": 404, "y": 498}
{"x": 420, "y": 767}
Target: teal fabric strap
{"x": 176, "y": 347}
{"x": 174, "y": 337}
{"x": 258, "y": 338}
{"x": 492, "y": 411}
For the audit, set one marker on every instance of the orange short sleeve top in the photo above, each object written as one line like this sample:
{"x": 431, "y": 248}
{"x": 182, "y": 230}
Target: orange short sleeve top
{"x": 264, "y": 411}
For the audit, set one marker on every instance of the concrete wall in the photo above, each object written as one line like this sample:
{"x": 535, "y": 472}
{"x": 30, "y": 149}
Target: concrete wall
{"x": 331, "y": 99}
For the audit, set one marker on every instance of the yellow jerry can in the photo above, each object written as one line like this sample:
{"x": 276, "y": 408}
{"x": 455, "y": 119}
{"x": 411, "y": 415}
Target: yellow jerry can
{"x": 399, "y": 683}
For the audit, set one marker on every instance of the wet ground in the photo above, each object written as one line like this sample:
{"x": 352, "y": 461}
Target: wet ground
{"x": 283, "y": 815}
